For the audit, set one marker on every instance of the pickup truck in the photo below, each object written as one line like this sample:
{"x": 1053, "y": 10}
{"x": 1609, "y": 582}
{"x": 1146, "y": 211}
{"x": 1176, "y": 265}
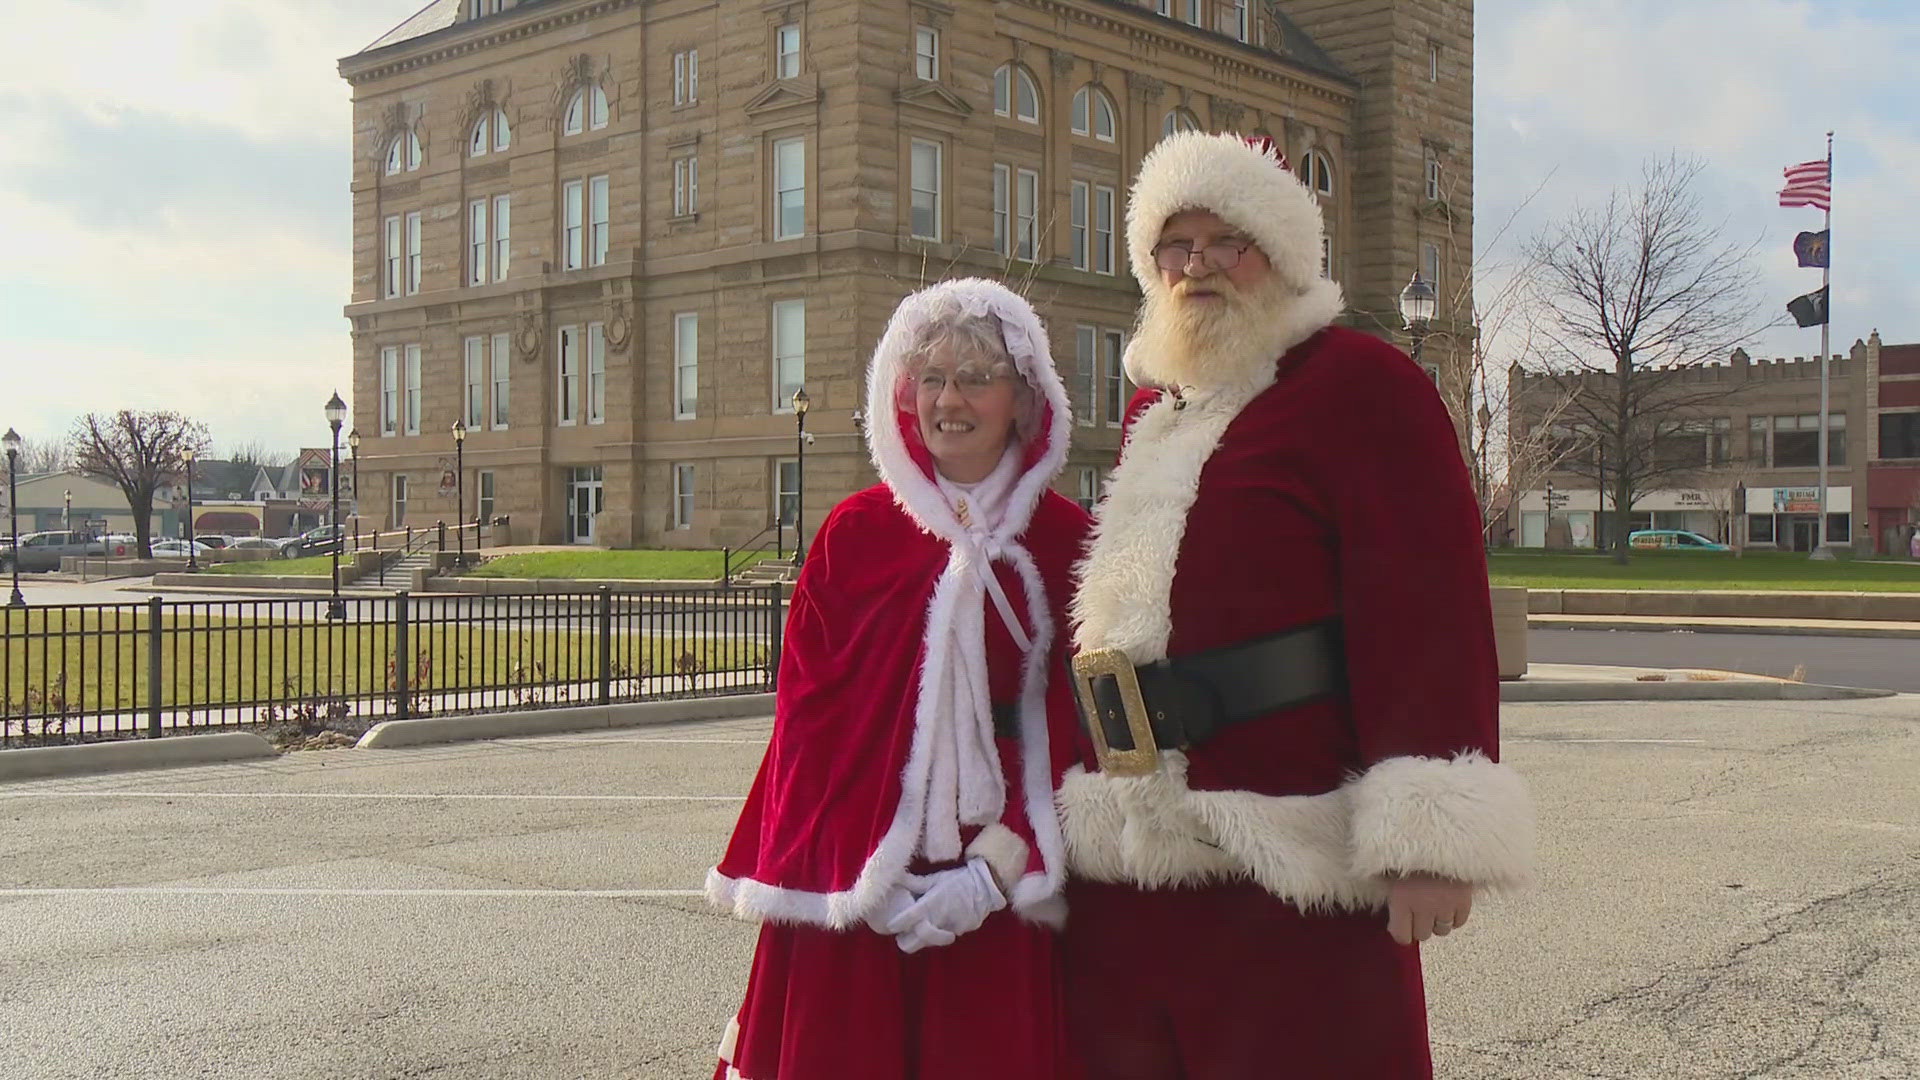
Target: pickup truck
{"x": 44, "y": 550}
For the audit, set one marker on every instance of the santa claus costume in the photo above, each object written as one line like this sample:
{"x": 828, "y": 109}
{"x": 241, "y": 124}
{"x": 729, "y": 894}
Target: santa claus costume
{"x": 920, "y": 729}
{"x": 1288, "y": 564}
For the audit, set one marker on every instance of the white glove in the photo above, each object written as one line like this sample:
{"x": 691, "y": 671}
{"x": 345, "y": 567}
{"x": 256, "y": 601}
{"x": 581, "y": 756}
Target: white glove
{"x": 911, "y": 935}
{"x": 953, "y": 902}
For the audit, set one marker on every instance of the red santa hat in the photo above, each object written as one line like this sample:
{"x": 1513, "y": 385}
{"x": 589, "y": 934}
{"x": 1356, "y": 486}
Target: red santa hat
{"x": 1246, "y": 182}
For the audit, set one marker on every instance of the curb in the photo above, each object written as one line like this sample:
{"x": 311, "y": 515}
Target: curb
{"x": 42, "y": 761}
{"x": 1701, "y": 690}
{"x": 1698, "y": 627}
{"x": 392, "y": 734}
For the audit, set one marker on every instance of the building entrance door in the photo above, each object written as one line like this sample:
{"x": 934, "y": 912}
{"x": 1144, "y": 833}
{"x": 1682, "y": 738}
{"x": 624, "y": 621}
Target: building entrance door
{"x": 1805, "y": 533}
{"x": 586, "y": 497}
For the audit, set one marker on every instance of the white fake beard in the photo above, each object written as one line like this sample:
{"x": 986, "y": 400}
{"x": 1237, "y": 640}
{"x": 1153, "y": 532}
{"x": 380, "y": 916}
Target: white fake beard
{"x": 1181, "y": 343}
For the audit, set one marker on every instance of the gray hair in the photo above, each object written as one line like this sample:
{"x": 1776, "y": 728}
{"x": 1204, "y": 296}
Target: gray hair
{"x": 971, "y": 338}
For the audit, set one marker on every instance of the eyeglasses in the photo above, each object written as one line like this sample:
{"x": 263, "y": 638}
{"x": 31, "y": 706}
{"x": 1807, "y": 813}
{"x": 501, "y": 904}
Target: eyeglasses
{"x": 1221, "y": 255}
{"x": 971, "y": 382}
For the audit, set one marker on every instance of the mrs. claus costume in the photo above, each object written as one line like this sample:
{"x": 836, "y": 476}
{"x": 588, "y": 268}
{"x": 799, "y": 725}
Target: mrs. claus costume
{"x": 885, "y": 766}
{"x": 1228, "y": 902}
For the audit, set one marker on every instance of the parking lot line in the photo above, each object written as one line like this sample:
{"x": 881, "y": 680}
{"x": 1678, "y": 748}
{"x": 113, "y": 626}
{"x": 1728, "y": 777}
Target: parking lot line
{"x": 365, "y": 796}
{"x": 161, "y": 890}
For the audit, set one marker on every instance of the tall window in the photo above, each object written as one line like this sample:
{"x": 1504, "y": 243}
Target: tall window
{"x": 1103, "y": 204}
{"x": 1015, "y": 94}
{"x": 1433, "y": 176}
{"x": 502, "y": 220}
{"x": 399, "y": 500}
{"x": 598, "y": 224}
{"x": 586, "y": 110}
{"x": 1089, "y": 488}
{"x": 1899, "y": 435}
{"x": 596, "y": 373}
{"x": 925, "y": 214}
{"x": 786, "y": 51}
{"x": 789, "y": 188}
{"x": 490, "y": 133}
{"x": 568, "y": 395}
{"x": 786, "y": 490}
{"x": 390, "y": 390}
{"x": 1026, "y": 214}
{"x": 686, "y": 186}
{"x": 475, "y": 383}
{"x": 396, "y": 256}
{"x": 686, "y": 365}
{"x": 484, "y": 484}
{"x": 789, "y": 351}
{"x": 1326, "y": 253}
{"x": 686, "y": 77}
{"x": 926, "y": 52}
{"x": 1086, "y": 362}
{"x": 412, "y": 402}
{"x": 1796, "y": 441}
{"x": 1113, "y": 350}
{"x": 403, "y": 153}
{"x": 1080, "y": 233}
{"x": 1430, "y": 266}
{"x": 573, "y": 211}
{"x": 1231, "y": 18}
{"x": 1179, "y": 120}
{"x": 1002, "y": 181}
{"x": 502, "y": 371}
{"x": 413, "y": 252}
{"x": 1093, "y": 114}
{"x": 1433, "y": 61}
{"x": 1316, "y": 172}
{"x": 683, "y": 496}
{"x": 477, "y": 247}
{"x": 1190, "y": 11}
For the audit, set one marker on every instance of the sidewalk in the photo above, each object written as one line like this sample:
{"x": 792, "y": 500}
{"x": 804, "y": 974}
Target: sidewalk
{"x": 1719, "y": 625}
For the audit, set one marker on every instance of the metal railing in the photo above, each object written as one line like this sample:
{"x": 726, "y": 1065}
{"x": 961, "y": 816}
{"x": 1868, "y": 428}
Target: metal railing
{"x": 746, "y": 555}
{"x": 71, "y": 673}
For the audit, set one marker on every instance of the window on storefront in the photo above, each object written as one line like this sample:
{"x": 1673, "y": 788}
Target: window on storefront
{"x": 1796, "y": 440}
{"x": 1900, "y": 435}
{"x": 1760, "y": 529}
{"x": 1839, "y": 528}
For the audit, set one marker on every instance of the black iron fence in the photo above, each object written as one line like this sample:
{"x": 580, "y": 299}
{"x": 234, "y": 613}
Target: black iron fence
{"x": 100, "y": 671}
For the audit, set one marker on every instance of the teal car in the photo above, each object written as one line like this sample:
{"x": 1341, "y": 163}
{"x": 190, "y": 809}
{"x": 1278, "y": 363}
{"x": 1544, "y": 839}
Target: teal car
{"x": 1673, "y": 540}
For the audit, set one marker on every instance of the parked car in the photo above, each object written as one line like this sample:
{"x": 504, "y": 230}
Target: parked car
{"x": 275, "y": 548}
{"x": 324, "y": 540}
{"x": 1673, "y": 539}
{"x": 215, "y": 540}
{"x": 42, "y": 551}
{"x": 177, "y": 549}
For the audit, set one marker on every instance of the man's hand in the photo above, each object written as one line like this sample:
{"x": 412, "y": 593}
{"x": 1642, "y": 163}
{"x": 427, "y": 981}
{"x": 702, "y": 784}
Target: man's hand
{"x": 1420, "y": 906}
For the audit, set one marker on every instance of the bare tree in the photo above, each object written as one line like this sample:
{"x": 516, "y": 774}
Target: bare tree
{"x": 45, "y": 456}
{"x": 138, "y": 452}
{"x": 254, "y": 452}
{"x": 1635, "y": 296}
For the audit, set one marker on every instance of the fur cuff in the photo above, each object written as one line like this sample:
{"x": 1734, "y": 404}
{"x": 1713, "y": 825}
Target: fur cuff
{"x": 1037, "y": 901}
{"x": 1005, "y": 853}
{"x": 1466, "y": 818}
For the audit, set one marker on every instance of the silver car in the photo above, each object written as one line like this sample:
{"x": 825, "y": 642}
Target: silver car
{"x": 43, "y": 551}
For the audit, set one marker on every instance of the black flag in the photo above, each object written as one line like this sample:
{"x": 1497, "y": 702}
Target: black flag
{"x": 1811, "y": 247}
{"x": 1809, "y": 310}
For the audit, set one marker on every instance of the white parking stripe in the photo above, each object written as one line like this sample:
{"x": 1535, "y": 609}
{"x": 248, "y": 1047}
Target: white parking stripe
{"x": 688, "y": 742}
{"x": 589, "y": 894}
{"x": 370, "y": 796}
{"x": 1652, "y": 742}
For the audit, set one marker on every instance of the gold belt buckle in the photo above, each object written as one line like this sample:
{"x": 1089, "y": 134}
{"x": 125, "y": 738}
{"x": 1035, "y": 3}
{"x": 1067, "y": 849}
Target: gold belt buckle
{"x": 1144, "y": 758}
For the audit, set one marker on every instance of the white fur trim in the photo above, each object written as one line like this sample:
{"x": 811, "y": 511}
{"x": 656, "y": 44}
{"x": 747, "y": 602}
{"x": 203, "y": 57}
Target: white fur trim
{"x": 1466, "y": 817}
{"x": 730, "y": 1039}
{"x": 1005, "y": 853}
{"x": 1222, "y": 173}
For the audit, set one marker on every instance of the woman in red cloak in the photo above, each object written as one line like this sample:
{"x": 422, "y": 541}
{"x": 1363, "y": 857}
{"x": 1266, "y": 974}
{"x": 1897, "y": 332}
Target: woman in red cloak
{"x": 899, "y": 845}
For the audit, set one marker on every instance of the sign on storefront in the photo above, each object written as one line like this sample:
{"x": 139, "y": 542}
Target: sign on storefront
{"x": 1796, "y": 500}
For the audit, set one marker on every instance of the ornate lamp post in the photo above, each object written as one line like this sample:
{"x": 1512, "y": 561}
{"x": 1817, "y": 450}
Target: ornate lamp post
{"x": 460, "y": 489}
{"x": 12, "y": 442}
{"x": 800, "y": 402}
{"x": 336, "y": 412}
{"x": 193, "y": 562}
{"x": 353, "y": 446}
{"x": 1418, "y": 302}
{"x": 66, "y": 509}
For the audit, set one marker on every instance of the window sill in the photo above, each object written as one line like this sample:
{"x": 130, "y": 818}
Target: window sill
{"x": 679, "y": 220}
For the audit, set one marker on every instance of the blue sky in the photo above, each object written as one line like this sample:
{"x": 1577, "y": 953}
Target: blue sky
{"x": 177, "y": 214}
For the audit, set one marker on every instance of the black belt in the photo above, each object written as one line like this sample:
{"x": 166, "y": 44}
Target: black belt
{"x": 1132, "y": 711}
{"x": 1006, "y": 719}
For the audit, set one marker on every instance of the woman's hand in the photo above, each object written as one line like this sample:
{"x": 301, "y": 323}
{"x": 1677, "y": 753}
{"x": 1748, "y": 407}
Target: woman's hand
{"x": 1420, "y": 906}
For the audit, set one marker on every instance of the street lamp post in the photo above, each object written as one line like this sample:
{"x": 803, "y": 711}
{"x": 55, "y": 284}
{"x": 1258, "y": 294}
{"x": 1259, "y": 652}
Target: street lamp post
{"x": 800, "y": 402}
{"x": 1418, "y": 302}
{"x": 353, "y": 447}
{"x": 12, "y": 443}
{"x": 66, "y": 509}
{"x": 336, "y": 412}
{"x": 193, "y": 563}
{"x": 460, "y": 489}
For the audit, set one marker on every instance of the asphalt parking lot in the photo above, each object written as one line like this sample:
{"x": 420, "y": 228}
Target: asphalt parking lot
{"x": 1728, "y": 890}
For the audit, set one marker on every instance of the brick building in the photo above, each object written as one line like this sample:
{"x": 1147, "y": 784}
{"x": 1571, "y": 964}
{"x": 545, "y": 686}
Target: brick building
{"x": 1762, "y": 434}
{"x": 613, "y": 237}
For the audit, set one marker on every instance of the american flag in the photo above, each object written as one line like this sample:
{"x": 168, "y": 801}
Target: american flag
{"x": 1808, "y": 184}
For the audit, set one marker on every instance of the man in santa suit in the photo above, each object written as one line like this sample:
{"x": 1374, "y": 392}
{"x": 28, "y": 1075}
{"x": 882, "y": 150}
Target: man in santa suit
{"x": 1284, "y": 652}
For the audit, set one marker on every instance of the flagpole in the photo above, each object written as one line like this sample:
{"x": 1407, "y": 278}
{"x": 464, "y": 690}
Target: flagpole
{"x": 1820, "y": 549}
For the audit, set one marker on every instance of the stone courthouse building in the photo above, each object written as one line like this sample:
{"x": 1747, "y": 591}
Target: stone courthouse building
{"x": 613, "y": 237}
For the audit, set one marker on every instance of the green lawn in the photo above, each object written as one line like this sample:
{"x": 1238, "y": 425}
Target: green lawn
{"x": 311, "y": 566}
{"x": 1673, "y": 570}
{"x": 98, "y": 665}
{"x": 646, "y": 565}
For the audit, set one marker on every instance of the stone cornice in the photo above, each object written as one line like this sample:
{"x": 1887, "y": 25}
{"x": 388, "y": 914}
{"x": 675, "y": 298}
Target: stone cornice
{"x": 463, "y": 38}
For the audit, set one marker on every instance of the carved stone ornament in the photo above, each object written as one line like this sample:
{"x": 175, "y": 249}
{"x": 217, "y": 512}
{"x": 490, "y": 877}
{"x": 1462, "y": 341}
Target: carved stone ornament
{"x": 1145, "y": 87}
{"x": 530, "y": 335}
{"x": 1063, "y": 62}
{"x": 619, "y": 328}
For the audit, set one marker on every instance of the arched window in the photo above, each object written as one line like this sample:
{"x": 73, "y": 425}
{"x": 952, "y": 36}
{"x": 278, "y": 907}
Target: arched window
{"x": 1093, "y": 113}
{"x": 403, "y": 153}
{"x": 1316, "y": 171}
{"x": 490, "y": 132}
{"x": 587, "y": 111}
{"x": 1015, "y": 94}
{"x": 1179, "y": 120}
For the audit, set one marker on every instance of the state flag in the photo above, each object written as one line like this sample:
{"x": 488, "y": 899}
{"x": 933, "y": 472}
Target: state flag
{"x": 1811, "y": 248}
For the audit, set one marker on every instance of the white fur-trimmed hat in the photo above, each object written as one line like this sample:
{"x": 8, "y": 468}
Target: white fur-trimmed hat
{"x": 1247, "y": 185}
